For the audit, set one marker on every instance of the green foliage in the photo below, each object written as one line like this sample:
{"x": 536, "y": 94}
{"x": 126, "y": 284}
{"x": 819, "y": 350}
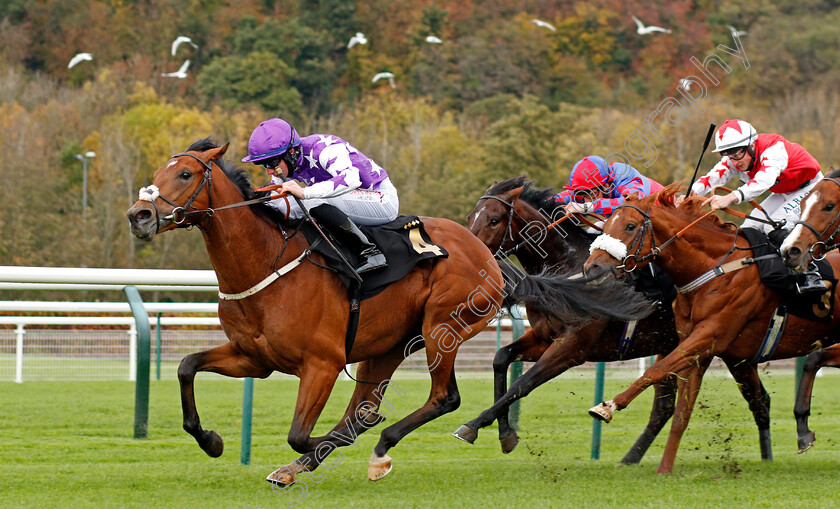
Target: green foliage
{"x": 259, "y": 78}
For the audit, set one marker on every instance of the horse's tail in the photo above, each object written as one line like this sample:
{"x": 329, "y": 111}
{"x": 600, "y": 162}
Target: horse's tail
{"x": 570, "y": 299}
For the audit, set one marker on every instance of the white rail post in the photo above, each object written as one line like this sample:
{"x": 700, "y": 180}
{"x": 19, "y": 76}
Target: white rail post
{"x": 19, "y": 332}
{"x": 132, "y": 353}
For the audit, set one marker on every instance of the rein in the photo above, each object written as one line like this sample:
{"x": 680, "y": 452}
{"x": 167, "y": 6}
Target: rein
{"x": 825, "y": 245}
{"x": 501, "y": 254}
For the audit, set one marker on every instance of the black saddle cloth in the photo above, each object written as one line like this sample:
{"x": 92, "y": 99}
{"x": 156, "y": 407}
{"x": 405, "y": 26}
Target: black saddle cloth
{"x": 403, "y": 241}
{"x": 778, "y": 276}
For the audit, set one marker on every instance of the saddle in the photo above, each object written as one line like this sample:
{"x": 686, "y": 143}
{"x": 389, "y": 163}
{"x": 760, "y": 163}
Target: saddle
{"x": 404, "y": 242}
{"x": 778, "y": 276}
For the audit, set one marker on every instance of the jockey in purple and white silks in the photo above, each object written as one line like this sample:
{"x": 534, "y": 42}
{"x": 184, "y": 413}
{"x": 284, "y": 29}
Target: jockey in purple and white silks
{"x": 335, "y": 173}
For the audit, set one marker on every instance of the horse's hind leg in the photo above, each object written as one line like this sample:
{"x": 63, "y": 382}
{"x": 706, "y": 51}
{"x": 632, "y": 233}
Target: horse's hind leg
{"x": 758, "y": 399}
{"x": 528, "y": 348}
{"x": 226, "y": 360}
{"x": 443, "y": 398}
{"x": 373, "y": 377}
{"x": 802, "y": 410}
{"x": 665, "y": 394}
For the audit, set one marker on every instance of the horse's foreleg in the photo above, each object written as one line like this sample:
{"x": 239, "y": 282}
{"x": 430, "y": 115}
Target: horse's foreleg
{"x": 802, "y": 410}
{"x": 663, "y": 408}
{"x": 758, "y": 399}
{"x": 694, "y": 350}
{"x": 362, "y": 413}
{"x": 556, "y": 359}
{"x": 688, "y": 386}
{"x": 226, "y": 360}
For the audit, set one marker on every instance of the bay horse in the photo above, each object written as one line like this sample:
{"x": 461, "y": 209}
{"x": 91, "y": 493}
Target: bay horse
{"x": 726, "y": 317}
{"x": 513, "y": 217}
{"x": 815, "y": 234}
{"x": 283, "y": 313}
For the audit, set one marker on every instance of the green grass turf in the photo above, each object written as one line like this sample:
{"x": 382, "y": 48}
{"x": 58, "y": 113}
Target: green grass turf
{"x": 69, "y": 444}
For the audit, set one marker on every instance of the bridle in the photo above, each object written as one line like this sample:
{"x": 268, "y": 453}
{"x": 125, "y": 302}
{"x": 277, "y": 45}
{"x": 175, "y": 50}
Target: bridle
{"x": 824, "y": 245}
{"x": 180, "y": 213}
{"x": 501, "y": 253}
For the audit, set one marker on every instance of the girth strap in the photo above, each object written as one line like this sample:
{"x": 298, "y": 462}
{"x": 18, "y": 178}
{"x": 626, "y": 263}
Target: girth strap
{"x": 721, "y": 270}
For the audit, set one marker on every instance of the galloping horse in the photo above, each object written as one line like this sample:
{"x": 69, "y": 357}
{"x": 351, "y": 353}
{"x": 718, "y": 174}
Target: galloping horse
{"x": 513, "y": 217}
{"x": 727, "y": 316}
{"x": 297, "y": 324}
{"x": 815, "y": 234}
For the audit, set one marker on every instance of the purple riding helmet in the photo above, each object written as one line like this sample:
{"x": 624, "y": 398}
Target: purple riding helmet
{"x": 273, "y": 139}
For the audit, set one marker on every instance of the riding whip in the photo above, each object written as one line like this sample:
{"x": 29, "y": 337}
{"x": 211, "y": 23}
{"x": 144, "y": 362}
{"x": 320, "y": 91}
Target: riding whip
{"x": 323, "y": 235}
{"x": 705, "y": 146}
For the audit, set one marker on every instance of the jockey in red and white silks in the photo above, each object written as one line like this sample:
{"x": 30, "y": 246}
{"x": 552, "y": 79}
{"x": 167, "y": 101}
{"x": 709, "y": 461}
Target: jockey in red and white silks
{"x": 764, "y": 162}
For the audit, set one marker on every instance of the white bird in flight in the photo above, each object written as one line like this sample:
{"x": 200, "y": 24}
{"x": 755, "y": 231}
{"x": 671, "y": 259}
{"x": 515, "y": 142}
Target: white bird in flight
{"x": 181, "y": 39}
{"x": 79, "y": 58}
{"x": 384, "y": 75}
{"x": 359, "y": 38}
{"x": 685, "y": 84}
{"x": 734, "y": 32}
{"x": 180, "y": 73}
{"x": 641, "y": 29}
{"x": 544, "y": 24}
{"x": 431, "y": 39}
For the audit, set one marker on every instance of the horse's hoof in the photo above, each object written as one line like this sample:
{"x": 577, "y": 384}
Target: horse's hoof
{"x": 466, "y": 434}
{"x": 282, "y": 477}
{"x": 603, "y": 411}
{"x": 378, "y": 467}
{"x": 806, "y": 441}
{"x": 509, "y": 442}
{"x": 213, "y": 444}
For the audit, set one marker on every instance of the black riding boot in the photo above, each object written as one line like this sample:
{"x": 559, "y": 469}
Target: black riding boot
{"x": 811, "y": 281}
{"x": 350, "y": 235}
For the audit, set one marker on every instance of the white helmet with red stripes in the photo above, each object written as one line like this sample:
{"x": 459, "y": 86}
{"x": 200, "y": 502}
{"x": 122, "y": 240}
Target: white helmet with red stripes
{"x": 734, "y": 133}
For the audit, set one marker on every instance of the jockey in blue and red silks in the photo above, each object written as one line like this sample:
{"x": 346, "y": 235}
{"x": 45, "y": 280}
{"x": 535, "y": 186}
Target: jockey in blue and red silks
{"x": 335, "y": 173}
{"x": 595, "y": 186}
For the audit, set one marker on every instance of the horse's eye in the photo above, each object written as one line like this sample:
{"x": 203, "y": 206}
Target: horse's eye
{"x": 185, "y": 175}
{"x": 630, "y": 227}
{"x": 495, "y": 221}
{"x": 829, "y": 206}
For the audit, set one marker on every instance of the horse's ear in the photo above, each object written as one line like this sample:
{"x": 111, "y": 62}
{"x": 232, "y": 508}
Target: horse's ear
{"x": 216, "y": 153}
{"x": 514, "y": 193}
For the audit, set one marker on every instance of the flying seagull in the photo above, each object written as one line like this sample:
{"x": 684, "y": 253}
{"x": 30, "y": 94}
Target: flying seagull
{"x": 180, "y": 73}
{"x": 384, "y": 75}
{"x": 79, "y": 58}
{"x": 177, "y": 42}
{"x": 734, "y": 32}
{"x": 541, "y": 23}
{"x": 431, "y": 39}
{"x": 641, "y": 29}
{"x": 359, "y": 38}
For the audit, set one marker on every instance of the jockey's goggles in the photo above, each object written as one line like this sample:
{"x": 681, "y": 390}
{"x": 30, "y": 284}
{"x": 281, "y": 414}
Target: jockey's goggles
{"x": 271, "y": 163}
{"x": 736, "y": 154}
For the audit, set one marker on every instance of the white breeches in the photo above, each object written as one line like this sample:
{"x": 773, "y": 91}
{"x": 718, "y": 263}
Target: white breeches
{"x": 782, "y": 206}
{"x": 369, "y": 208}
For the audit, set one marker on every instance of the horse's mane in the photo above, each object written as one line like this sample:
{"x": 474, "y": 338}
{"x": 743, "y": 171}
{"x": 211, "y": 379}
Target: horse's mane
{"x": 240, "y": 178}
{"x": 691, "y": 206}
{"x": 834, "y": 174}
{"x": 539, "y": 198}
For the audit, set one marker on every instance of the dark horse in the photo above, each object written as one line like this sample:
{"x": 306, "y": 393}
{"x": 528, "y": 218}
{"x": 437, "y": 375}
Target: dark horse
{"x": 513, "y": 217}
{"x": 297, "y": 324}
{"x": 727, "y": 316}
{"x": 815, "y": 235}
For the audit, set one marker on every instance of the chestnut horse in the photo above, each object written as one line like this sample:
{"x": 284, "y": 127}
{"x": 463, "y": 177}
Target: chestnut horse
{"x": 815, "y": 234}
{"x": 513, "y": 217}
{"x": 725, "y": 317}
{"x": 297, "y": 324}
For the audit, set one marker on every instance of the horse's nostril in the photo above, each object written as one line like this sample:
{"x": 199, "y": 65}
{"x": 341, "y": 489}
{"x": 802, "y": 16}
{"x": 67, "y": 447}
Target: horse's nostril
{"x": 793, "y": 252}
{"x": 142, "y": 215}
